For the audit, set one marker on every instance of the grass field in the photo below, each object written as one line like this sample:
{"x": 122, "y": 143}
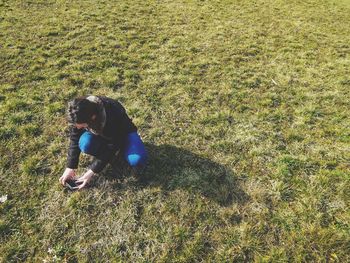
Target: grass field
{"x": 243, "y": 106}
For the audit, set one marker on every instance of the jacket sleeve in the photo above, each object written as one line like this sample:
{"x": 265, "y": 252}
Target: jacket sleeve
{"x": 74, "y": 150}
{"x": 104, "y": 156}
{"x": 98, "y": 165}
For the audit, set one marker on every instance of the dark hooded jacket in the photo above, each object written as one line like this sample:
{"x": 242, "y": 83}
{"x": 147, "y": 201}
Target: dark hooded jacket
{"x": 112, "y": 124}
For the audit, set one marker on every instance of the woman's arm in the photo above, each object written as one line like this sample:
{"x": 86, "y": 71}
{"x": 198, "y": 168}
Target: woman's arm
{"x": 107, "y": 152}
{"x": 74, "y": 150}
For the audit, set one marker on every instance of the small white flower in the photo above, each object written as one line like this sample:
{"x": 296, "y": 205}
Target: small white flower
{"x": 3, "y": 199}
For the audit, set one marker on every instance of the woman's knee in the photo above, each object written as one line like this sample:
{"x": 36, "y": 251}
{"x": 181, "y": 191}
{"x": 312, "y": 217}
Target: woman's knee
{"x": 136, "y": 159}
{"x": 88, "y": 144}
{"x": 135, "y": 152}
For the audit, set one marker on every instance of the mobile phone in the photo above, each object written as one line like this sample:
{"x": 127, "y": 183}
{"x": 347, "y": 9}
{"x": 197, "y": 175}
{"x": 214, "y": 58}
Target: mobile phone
{"x": 72, "y": 184}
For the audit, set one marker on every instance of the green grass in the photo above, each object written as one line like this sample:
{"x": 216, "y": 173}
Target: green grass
{"x": 244, "y": 109}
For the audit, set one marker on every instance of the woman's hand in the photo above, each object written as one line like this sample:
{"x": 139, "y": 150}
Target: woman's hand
{"x": 85, "y": 179}
{"x": 68, "y": 174}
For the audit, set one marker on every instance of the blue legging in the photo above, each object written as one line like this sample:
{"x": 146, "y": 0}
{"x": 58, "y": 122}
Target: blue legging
{"x": 134, "y": 151}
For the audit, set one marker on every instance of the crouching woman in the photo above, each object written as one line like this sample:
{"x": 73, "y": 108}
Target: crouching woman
{"x": 99, "y": 126}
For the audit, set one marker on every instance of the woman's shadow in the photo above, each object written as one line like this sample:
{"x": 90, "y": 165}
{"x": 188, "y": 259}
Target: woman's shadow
{"x": 171, "y": 168}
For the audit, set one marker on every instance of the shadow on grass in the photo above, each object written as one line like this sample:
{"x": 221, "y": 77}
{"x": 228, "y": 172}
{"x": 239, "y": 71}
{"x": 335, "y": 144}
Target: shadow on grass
{"x": 171, "y": 168}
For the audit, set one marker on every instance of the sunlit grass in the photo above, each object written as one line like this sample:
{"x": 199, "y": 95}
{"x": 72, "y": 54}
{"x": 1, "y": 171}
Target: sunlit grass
{"x": 243, "y": 106}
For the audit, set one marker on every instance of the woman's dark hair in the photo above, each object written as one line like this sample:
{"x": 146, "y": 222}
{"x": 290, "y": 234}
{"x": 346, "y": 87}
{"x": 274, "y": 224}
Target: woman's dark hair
{"x": 80, "y": 110}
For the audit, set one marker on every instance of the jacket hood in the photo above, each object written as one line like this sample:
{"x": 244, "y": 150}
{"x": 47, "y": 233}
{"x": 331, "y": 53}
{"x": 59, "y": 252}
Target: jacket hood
{"x": 96, "y": 127}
